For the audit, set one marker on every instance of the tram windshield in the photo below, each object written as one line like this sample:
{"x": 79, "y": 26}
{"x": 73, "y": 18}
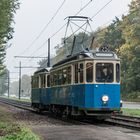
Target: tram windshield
{"x": 104, "y": 72}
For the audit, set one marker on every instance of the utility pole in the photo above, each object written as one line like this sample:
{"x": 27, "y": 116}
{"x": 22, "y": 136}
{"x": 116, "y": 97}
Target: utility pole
{"x": 19, "y": 79}
{"x": 48, "y": 64}
{"x": 8, "y": 83}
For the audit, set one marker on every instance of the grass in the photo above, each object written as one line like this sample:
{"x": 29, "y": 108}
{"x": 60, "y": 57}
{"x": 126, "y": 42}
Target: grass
{"x": 14, "y": 98}
{"x": 131, "y": 112}
{"x": 10, "y": 130}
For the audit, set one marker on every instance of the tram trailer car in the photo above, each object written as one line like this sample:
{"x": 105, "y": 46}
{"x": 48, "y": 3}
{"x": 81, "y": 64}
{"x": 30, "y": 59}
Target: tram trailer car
{"x": 40, "y": 90}
{"x": 87, "y": 83}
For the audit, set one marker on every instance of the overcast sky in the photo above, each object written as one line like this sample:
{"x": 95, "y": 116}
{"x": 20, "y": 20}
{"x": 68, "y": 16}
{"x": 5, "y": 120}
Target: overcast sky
{"x": 34, "y": 15}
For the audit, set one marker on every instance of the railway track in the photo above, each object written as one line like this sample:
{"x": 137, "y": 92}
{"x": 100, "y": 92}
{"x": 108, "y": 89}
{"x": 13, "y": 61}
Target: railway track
{"x": 125, "y": 121}
{"x": 121, "y": 120}
{"x": 16, "y": 103}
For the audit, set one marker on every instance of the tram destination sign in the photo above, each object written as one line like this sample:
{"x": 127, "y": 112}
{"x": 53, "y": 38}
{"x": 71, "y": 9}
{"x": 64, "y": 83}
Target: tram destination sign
{"x": 104, "y": 54}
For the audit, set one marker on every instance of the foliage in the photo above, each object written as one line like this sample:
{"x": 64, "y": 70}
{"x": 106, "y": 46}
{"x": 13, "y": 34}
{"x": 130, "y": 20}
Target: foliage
{"x": 4, "y": 82}
{"x": 16, "y": 132}
{"x": 132, "y": 97}
{"x": 9, "y": 130}
{"x": 7, "y": 11}
{"x": 130, "y": 51}
{"x": 131, "y": 112}
{"x": 26, "y": 86}
{"x": 113, "y": 36}
{"x": 42, "y": 63}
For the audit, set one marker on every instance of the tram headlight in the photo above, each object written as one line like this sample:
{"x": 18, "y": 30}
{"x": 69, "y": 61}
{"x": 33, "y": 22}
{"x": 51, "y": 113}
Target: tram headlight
{"x": 105, "y": 98}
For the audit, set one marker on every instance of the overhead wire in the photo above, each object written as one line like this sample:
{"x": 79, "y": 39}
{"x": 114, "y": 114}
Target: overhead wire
{"x": 83, "y": 7}
{"x": 101, "y": 9}
{"x": 45, "y": 27}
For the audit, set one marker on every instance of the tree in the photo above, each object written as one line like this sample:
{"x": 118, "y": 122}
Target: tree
{"x": 130, "y": 51}
{"x": 113, "y": 36}
{"x": 26, "y": 86}
{"x": 7, "y": 11}
{"x": 4, "y": 79}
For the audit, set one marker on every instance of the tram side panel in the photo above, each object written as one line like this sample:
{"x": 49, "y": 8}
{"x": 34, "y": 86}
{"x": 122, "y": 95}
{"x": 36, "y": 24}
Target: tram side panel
{"x": 70, "y": 95}
{"x": 45, "y": 96}
{"x": 36, "y": 96}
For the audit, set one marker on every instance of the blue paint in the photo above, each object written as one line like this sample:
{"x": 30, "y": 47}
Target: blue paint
{"x": 41, "y": 95}
{"x": 88, "y": 96}
{"x": 45, "y": 96}
{"x": 35, "y": 95}
{"x": 95, "y": 92}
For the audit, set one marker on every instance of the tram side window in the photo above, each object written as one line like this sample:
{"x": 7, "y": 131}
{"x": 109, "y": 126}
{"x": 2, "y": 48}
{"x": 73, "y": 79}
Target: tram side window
{"x": 59, "y": 77}
{"x": 118, "y": 73}
{"x": 52, "y": 79}
{"x": 32, "y": 82}
{"x": 76, "y": 73}
{"x": 81, "y": 73}
{"x": 89, "y": 72}
{"x": 43, "y": 81}
{"x": 64, "y": 76}
{"x": 35, "y": 81}
{"x": 55, "y": 79}
{"x": 48, "y": 81}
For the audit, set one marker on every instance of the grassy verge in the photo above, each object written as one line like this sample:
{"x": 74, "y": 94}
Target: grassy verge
{"x": 14, "y": 98}
{"x": 9, "y": 130}
{"x": 131, "y": 112}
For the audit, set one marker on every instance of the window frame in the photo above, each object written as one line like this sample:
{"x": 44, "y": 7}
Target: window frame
{"x": 92, "y": 80}
{"x": 118, "y": 73}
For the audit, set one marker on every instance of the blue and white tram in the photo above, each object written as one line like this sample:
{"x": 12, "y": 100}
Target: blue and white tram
{"x": 86, "y": 84}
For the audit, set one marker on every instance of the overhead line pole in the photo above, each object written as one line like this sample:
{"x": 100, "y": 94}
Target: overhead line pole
{"x": 48, "y": 64}
{"x": 19, "y": 79}
{"x": 8, "y": 84}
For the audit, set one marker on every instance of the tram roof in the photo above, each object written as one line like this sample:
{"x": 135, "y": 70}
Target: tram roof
{"x": 43, "y": 70}
{"x": 95, "y": 55}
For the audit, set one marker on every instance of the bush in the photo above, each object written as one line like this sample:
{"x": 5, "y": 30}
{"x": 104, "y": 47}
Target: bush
{"x": 133, "y": 96}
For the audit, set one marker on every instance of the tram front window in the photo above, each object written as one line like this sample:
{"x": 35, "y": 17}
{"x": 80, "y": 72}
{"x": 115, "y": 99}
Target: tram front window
{"x": 104, "y": 72}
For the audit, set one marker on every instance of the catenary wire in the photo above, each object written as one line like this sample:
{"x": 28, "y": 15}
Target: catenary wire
{"x": 45, "y": 27}
{"x": 101, "y": 9}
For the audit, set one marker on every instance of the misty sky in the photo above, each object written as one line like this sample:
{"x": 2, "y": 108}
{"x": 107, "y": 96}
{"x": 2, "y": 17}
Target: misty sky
{"x": 34, "y": 15}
